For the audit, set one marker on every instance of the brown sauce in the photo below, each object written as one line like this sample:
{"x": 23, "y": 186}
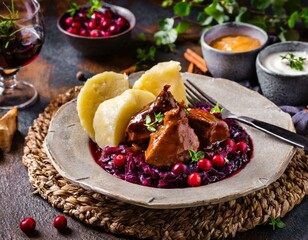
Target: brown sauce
{"x": 235, "y": 43}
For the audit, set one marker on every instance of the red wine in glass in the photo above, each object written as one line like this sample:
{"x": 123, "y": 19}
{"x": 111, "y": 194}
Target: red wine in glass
{"x": 19, "y": 46}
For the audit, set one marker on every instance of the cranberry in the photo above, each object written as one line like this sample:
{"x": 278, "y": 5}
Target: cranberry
{"x": 113, "y": 29}
{"x": 204, "y": 164}
{"x": 76, "y": 25}
{"x": 242, "y": 147}
{"x": 82, "y": 15}
{"x": 121, "y": 21}
{"x": 27, "y": 225}
{"x": 92, "y": 24}
{"x": 194, "y": 179}
{"x": 83, "y": 32}
{"x": 230, "y": 145}
{"x": 104, "y": 23}
{"x": 107, "y": 14}
{"x": 72, "y": 30}
{"x": 179, "y": 168}
{"x": 218, "y": 160}
{"x": 60, "y": 222}
{"x": 96, "y": 15}
{"x": 69, "y": 21}
{"x": 105, "y": 34}
{"x": 94, "y": 33}
{"x": 119, "y": 160}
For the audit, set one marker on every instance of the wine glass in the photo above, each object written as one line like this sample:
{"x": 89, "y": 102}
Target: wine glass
{"x": 21, "y": 39}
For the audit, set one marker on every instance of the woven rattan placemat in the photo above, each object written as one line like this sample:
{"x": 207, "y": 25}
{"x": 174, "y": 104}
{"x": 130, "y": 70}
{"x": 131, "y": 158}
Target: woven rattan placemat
{"x": 206, "y": 222}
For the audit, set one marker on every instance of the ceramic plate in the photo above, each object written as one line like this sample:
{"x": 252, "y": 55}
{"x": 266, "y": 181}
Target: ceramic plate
{"x": 67, "y": 146}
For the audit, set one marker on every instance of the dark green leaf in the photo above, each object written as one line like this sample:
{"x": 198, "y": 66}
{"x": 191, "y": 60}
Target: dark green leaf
{"x": 258, "y": 21}
{"x": 292, "y": 19}
{"x": 276, "y": 223}
{"x": 241, "y": 12}
{"x": 204, "y": 19}
{"x": 261, "y": 4}
{"x": 182, "y": 9}
{"x": 216, "y": 11}
{"x": 182, "y": 27}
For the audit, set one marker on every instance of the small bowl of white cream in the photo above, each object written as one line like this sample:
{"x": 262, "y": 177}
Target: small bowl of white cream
{"x": 282, "y": 71}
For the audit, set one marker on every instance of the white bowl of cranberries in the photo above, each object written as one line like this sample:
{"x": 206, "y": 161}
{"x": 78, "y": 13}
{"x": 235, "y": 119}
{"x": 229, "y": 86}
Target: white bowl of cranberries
{"x": 99, "y": 30}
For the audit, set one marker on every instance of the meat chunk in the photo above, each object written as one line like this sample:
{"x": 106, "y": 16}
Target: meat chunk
{"x": 170, "y": 144}
{"x": 136, "y": 132}
{"x": 208, "y": 128}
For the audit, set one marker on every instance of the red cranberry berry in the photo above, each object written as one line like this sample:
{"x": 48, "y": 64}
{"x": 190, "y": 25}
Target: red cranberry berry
{"x": 194, "y": 179}
{"x": 179, "y": 168}
{"x": 76, "y": 25}
{"x": 96, "y": 15}
{"x": 113, "y": 29}
{"x": 121, "y": 21}
{"x": 119, "y": 160}
{"x": 218, "y": 160}
{"x": 242, "y": 147}
{"x": 83, "y": 32}
{"x": 72, "y": 30}
{"x": 69, "y": 21}
{"x": 107, "y": 14}
{"x": 104, "y": 23}
{"x": 230, "y": 145}
{"x": 94, "y": 33}
{"x": 27, "y": 225}
{"x": 204, "y": 164}
{"x": 92, "y": 24}
{"x": 60, "y": 222}
{"x": 105, "y": 34}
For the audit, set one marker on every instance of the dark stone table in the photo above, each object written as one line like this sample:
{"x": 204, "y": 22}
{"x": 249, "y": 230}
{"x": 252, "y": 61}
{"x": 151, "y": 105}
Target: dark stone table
{"x": 54, "y": 73}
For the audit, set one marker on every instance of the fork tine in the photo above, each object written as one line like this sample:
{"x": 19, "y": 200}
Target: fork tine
{"x": 191, "y": 98}
{"x": 197, "y": 97}
{"x": 203, "y": 94}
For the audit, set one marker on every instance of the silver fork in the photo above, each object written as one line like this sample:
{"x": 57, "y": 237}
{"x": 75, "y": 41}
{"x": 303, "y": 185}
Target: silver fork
{"x": 196, "y": 95}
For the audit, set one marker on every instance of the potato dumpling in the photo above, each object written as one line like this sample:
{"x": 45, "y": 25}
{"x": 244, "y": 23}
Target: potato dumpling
{"x": 161, "y": 74}
{"x": 97, "y": 89}
{"x": 113, "y": 115}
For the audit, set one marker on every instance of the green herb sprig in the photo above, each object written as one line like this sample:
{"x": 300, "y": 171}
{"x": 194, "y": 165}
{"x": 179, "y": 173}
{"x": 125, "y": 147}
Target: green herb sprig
{"x": 216, "y": 109}
{"x": 7, "y": 24}
{"x": 94, "y": 5}
{"x": 293, "y": 62}
{"x": 195, "y": 156}
{"x": 159, "y": 117}
{"x": 276, "y": 223}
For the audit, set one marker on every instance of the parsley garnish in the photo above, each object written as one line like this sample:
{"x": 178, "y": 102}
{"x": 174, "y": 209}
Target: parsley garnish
{"x": 148, "y": 121}
{"x": 195, "y": 156}
{"x": 216, "y": 109}
{"x": 276, "y": 223}
{"x": 295, "y": 63}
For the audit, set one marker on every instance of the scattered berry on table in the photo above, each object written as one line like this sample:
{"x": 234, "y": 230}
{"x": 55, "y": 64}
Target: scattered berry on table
{"x": 27, "y": 225}
{"x": 60, "y": 222}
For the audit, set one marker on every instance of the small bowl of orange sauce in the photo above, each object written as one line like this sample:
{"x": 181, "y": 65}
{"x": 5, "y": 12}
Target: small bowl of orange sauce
{"x": 230, "y": 50}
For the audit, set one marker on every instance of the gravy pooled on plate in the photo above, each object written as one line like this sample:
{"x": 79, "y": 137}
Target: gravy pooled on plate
{"x": 235, "y": 43}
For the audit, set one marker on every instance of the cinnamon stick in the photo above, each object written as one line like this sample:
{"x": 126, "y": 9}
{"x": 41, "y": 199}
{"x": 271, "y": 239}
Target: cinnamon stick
{"x": 191, "y": 68}
{"x": 197, "y": 60}
{"x": 129, "y": 70}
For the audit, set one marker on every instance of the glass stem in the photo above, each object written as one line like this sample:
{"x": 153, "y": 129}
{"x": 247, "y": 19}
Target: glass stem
{"x": 8, "y": 79}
